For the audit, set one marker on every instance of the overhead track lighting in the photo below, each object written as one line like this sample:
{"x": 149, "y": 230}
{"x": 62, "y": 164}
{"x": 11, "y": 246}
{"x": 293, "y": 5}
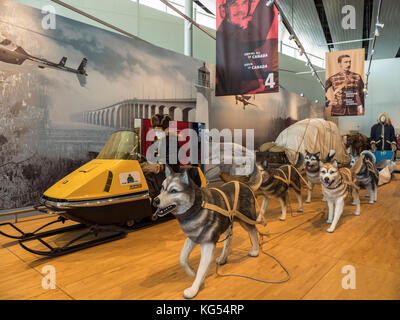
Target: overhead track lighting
{"x": 377, "y": 34}
{"x": 293, "y": 36}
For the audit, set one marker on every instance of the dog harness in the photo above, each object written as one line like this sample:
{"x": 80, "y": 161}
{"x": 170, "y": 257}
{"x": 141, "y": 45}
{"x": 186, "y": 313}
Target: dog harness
{"x": 287, "y": 178}
{"x": 371, "y": 168}
{"x": 347, "y": 177}
{"x": 230, "y": 212}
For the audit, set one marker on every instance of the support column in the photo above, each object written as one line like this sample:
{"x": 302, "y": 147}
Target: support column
{"x": 188, "y": 32}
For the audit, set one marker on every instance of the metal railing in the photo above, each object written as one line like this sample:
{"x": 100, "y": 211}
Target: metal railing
{"x": 17, "y": 212}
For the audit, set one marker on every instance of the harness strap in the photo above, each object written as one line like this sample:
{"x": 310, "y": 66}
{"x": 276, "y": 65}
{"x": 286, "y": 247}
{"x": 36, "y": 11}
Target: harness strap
{"x": 348, "y": 178}
{"x": 371, "y": 168}
{"x": 287, "y": 179}
{"x": 230, "y": 212}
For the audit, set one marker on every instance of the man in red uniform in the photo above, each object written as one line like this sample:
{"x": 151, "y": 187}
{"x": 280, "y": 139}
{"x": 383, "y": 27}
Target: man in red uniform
{"x": 348, "y": 95}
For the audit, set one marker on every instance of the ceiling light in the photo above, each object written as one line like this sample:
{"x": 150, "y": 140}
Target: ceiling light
{"x": 300, "y": 50}
{"x": 377, "y": 32}
{"x": 365, "y": 89}
{"x": 301, "y": 94}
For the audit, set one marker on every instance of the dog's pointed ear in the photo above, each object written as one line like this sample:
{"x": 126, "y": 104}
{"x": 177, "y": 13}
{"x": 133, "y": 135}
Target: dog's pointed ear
{"x": 334, "y": 162}
{"x": 317, "y": 154}
{"x": 168, "y": 171}
{"x": 185, "y": 177}
{"x": 307, "y": 153}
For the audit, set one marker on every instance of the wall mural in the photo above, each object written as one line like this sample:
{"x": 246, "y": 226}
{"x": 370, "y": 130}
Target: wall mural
{"x": 64, "y": 91}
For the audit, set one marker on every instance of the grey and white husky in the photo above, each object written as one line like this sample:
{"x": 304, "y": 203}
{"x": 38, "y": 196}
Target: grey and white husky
{"x": 368, "y": 175}
{"x": 313, "y": 165}
{"x": 183, "y": 198}
{"x": 273, "y": 186}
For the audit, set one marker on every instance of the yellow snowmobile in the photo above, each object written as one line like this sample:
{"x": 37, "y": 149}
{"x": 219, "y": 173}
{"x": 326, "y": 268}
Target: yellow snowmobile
{"x": 109, "y": 193}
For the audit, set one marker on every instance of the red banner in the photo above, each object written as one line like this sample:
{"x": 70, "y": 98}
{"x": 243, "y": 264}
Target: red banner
{"x": 247, "y": 47}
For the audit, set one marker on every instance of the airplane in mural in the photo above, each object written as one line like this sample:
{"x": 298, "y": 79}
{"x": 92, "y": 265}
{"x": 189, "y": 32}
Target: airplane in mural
{"x": 13, "y": 54}
{"x": 245, "y": 100}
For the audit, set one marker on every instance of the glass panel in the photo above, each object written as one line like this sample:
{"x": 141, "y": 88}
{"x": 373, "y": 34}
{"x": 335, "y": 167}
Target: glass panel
{"x": 122, "y": 145}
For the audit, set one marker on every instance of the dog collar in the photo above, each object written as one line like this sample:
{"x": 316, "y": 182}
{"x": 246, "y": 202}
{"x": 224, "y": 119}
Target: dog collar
{"x": 194, "y": 209}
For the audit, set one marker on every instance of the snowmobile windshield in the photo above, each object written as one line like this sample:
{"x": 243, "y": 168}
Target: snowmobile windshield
{"x": 122, "y": 145}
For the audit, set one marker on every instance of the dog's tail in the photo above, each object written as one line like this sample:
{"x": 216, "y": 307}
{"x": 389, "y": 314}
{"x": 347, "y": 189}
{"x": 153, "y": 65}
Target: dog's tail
{"x": 366, "y": 154}
{"x": 253, "y": 181}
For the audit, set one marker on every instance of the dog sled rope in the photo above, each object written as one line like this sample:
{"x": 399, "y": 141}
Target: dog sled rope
{"x": 231, "y": 213}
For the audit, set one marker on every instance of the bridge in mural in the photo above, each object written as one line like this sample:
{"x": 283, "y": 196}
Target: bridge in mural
{"x": 122, "y": 114}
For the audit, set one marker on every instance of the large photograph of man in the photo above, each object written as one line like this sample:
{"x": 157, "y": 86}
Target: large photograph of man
{"x": 345, "y": 83}
{"x": 247, "y": 47}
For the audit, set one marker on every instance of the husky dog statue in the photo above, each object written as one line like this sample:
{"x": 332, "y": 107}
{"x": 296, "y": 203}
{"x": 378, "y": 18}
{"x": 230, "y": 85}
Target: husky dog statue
{"x": 336, "y": 184}
{"x": 276, "y": 184}
{"x": 198, "y": 213}
{"x": 368, "y": 176}
{"x": 313, "y": 165}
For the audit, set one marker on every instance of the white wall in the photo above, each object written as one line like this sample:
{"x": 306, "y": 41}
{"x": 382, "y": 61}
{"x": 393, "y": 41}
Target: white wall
{"x": 383, "y": 96}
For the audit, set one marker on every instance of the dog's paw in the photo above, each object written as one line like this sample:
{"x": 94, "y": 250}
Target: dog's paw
{"x": 353, "y": 203}
{"x": 282, "y": 219}
{"x": 253, "y": 253}
{"x": 371, "y": 202}
{"x": 300, "y": 210}
{"x": 190, "y": 272}
{"x": 261, "y": 220}
{"x": 328, "y": 221}
{"x": 221, "y": 260}
{"x": 330, "y": 230}
{"x": 189, "y": 293}
{"x": 308, "y": 201}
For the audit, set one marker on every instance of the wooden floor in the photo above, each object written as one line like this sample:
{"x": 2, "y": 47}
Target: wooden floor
{"x": 145, "y": 265}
